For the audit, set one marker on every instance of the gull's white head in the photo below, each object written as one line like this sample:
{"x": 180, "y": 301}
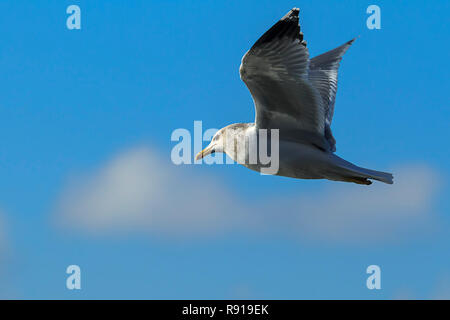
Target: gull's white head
{"x": 216, "y": 145}
{"x": 226, "y": 140}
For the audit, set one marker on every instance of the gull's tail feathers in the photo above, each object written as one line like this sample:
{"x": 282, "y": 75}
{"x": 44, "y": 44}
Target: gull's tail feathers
{"x": 352, "y": 173}
{"x": 375, "y": 175}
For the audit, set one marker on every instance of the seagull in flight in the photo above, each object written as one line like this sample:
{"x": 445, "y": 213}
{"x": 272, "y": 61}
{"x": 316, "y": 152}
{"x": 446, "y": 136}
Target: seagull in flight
{"x": 294, "y": 95}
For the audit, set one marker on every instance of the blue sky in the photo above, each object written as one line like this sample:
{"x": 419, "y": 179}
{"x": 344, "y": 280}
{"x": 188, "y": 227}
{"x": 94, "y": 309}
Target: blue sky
{"x": 87, "y": 115}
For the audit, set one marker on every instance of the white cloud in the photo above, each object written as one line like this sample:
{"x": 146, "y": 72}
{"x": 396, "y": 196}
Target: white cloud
{"x": 440, "y": 290}
{"x": 349, "y": 212}
{"x": 138, "y": 190}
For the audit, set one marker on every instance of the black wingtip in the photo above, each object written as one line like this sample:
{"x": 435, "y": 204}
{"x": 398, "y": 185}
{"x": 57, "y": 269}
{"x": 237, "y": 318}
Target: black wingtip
{"x": 353, "y": 40}
{"x": 288, "y": 26}
{"x": 292, "y": 14}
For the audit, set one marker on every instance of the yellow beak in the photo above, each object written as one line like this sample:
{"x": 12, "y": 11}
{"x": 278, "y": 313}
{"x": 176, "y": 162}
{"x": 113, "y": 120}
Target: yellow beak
{"x": 208, "y": 150}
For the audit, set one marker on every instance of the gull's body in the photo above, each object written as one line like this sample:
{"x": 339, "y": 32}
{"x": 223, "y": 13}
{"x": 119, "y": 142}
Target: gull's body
{"x": 296, "y": 96}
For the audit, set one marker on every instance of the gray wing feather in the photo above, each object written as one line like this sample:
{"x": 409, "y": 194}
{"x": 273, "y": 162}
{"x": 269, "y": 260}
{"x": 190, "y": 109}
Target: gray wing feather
{"x": 323, "y": 74}
{"x": 275, "y": 71}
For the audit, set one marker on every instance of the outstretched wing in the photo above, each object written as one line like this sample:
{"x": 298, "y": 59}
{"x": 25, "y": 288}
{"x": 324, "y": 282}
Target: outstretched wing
{"x": 275, "y": 71}
{"x": 323, "y": 74}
